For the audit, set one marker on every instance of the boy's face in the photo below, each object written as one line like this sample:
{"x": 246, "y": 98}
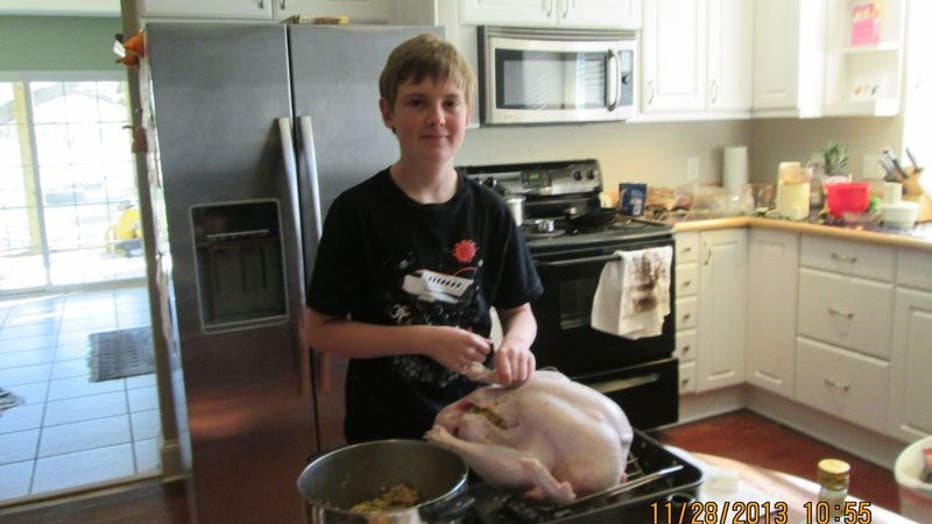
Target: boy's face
{"x": 429, "y": 118}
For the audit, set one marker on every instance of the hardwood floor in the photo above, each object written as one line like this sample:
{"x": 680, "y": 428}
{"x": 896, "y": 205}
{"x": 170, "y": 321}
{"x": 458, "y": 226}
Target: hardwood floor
{"x": 740, "y": 435}
{"x": 750, "y": 438}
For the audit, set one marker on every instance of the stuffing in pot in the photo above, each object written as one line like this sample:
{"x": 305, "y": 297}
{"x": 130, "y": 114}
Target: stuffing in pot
{"x": 397, "y": 496}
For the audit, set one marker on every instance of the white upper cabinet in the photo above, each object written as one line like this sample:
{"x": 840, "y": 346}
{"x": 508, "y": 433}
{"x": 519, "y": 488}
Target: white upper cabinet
{"x": 221, "y": 9}
{"x": 789, "y": 57}
{"x": 696, "y": 59}
{"x": 730, "y": 50}
{"x": 592, "y": 14}
{"x": 356, "y": 10}
{"x": 673, "y": 59}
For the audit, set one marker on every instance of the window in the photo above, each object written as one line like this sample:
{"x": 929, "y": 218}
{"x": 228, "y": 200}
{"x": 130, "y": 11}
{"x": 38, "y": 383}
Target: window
{"x": 68, "y": 197}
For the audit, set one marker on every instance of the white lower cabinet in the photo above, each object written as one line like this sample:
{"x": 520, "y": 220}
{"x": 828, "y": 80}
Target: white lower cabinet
{"x": 687, "y": 377}
{"x": 722, "y": 308}
{"x": 911, "y": 415}
{"x": 846, "y": 384}
{"x": 847, "y": 311}
{"x": 773, "y": 264}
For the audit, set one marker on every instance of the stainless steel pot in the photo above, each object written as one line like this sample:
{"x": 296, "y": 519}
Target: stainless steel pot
{"x": 337, "y": 480}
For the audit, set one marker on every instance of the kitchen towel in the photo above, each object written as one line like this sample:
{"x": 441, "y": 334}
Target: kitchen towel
{"x": 633, "y": 294}
{"x": 735, "y": 169}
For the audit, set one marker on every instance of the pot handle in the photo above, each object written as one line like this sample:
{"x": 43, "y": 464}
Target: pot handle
{"x": 447, "y": 510}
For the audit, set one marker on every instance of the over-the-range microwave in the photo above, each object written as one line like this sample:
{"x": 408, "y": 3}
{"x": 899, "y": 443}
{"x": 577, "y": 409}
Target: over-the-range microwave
{"x": 537, "y": 76}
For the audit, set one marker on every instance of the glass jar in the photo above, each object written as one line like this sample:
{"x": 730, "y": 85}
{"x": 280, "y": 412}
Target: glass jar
{"x": 833, "y": 476}
{"x": 793, "y": 189}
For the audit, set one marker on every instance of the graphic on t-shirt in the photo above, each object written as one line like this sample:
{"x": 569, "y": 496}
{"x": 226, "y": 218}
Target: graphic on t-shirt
{"x": 446, "y": 294}
{"x": 432, "y": 286}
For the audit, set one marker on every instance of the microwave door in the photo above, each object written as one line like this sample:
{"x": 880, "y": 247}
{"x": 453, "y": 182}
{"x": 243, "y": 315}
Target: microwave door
{"x": 530, "y": 81}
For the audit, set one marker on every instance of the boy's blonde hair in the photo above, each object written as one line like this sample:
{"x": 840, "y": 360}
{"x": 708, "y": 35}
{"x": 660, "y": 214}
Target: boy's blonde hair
{"x": 426, "y": 55}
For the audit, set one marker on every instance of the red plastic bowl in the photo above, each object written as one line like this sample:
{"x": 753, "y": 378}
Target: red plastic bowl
{"x": 848, "y": 197}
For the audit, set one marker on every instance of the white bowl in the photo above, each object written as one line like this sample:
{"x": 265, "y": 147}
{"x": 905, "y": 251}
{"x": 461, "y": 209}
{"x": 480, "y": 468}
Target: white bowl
{"x": 902, "y": 214}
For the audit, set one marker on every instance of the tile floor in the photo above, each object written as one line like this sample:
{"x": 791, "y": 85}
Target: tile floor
{"x": 70, "y": 431}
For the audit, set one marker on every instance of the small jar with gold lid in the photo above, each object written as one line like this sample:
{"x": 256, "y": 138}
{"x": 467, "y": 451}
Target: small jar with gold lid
{"x": 833, "y": 477}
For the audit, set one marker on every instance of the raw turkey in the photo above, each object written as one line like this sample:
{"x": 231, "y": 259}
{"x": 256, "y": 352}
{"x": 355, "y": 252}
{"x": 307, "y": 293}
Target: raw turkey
{"x": 550, "y": 437}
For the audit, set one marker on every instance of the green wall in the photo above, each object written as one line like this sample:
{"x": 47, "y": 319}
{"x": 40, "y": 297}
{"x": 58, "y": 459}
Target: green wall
{"x": 46, "y": 43}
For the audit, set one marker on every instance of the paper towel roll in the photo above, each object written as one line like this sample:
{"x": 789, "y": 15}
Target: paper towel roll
{"x": 735, "y": 169}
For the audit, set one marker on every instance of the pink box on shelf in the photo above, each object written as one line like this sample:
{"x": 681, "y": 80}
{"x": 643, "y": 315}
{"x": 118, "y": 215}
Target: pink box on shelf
{"x": 865, "y": 24}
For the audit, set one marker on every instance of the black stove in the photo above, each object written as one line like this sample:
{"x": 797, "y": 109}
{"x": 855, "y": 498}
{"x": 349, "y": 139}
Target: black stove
{"x": 571, "y": 239}
{"x": 554, "y": 192}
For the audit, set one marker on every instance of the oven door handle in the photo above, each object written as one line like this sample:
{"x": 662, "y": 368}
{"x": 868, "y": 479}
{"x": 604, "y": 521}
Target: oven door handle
{"x": 576, "y": 261}
{"x": 612, "y": 386}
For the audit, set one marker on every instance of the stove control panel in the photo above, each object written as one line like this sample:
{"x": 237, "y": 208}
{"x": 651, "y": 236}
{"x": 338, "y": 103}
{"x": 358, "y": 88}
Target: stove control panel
{"x": 540, "y": 179}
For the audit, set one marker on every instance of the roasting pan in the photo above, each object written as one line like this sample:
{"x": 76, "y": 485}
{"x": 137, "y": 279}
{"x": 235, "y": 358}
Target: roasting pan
{"x": 634, "y": 507}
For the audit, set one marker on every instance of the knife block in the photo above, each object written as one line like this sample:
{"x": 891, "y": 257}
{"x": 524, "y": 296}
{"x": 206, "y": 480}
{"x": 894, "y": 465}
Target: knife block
{"x": 913, "y": 191}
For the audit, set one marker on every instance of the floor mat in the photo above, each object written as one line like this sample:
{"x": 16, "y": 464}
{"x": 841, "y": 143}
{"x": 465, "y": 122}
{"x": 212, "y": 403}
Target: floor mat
{"x": 121, "y": 353}
{"x": 8, "y": 400}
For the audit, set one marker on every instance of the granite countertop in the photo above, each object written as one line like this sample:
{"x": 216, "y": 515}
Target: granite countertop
{"x": 919, "y": 236}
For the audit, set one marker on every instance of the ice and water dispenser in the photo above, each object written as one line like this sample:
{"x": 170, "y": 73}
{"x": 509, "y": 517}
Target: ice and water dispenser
{"x": 240, "y": 266}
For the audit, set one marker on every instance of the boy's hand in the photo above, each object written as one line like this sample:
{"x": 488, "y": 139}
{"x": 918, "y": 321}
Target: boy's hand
{"x": 457, "y": 348}
{"x": 514, "y": 364}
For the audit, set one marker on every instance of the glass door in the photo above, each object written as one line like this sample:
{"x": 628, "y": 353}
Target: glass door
{"x": 68, "y": 200}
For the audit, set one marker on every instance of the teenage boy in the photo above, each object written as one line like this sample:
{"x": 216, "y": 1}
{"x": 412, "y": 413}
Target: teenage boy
{"x": 412, "y": 259}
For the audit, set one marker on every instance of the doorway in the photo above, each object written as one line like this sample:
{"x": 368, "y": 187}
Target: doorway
{"x": 71, "y": 274}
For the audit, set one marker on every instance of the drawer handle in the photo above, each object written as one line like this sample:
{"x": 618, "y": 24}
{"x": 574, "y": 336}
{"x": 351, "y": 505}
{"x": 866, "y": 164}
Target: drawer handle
{"x": 837, "y": 385}
{"x": 687, "y": 283}
{"x": 843, "y": 258}
{"x": 687, "y": 316}
{"x": 836, "y": 313}
{"x": 687, "y": 250}
{"x": 685, "y": 381}
{"x": 686, "y": 348}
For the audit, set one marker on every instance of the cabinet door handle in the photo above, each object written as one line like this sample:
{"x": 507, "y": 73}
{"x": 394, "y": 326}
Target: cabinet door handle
{"x": 687, "y": 316}
{"x": 686, "y": 349}
{"x": 282, "y": 4}
{"x": 708, "y": 254}
{"x": 843, "y": 258}
{"x": 261, "y": 4}
{"x": 714, "y": 91}
{"x": 566, "y": 9}
{"x": 837, "y": 385}
{"x": 838, "y": 313}
{"x": 650, "y": 92}
{"x": 688, "y": 249}
{"x": 550, "y": 8}
{"x": 687, "y": 283}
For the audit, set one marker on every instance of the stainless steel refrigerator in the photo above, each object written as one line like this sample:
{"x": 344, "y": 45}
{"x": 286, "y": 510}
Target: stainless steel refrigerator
{"x": 257, "y": 128}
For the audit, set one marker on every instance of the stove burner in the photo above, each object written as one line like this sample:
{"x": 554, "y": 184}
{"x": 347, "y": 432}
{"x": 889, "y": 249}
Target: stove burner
{"x": 538, "y": 235}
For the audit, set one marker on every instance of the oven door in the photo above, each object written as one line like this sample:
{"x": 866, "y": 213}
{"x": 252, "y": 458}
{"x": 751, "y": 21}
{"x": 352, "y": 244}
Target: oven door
{"x": 648, "y": 393}
{"x": 533, "y": 77}
{"x": 565, "y": 338}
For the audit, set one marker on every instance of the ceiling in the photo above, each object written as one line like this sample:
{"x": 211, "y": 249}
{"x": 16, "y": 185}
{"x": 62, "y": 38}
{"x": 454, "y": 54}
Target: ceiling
{"x": 61, "y": 7}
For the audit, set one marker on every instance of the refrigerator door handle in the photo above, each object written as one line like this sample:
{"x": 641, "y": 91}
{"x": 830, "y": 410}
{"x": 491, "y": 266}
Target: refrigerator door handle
{"x": 291, "y": 182}
{"x": 310, "y": 158}
{"x": 306, "y": 126}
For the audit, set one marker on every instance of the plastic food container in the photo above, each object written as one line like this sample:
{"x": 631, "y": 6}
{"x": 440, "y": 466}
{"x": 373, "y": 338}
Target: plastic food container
{"x": 915, "y": 495}
{"x": 901, "y": 214}
{"x": 848, "y": 197}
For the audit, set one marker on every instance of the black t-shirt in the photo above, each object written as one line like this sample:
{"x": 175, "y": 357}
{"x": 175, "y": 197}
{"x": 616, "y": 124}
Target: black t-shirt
{"x": 386, "y": 259}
